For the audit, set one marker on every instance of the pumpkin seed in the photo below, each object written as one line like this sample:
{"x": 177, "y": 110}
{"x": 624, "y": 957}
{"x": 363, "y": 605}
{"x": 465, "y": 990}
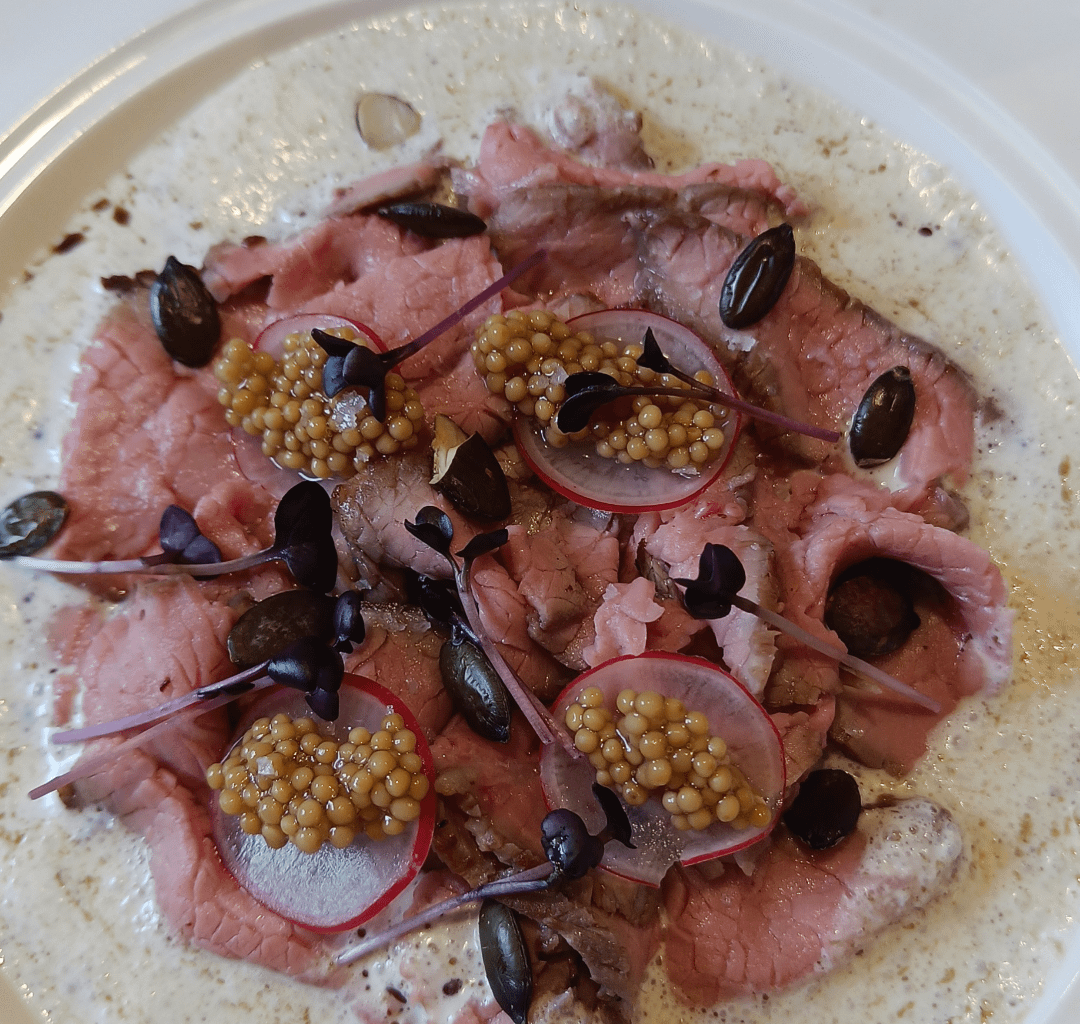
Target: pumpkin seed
{"x": 826, "y": 809}
{"x": 756, "y": 280}
{"x": 185, "y": 314}
{"x": 384, "y": 120}
{"x": 268, "y": 627}
{"x": 30, "y": 522}
{"x": 478, "y": 693}
{"x": 506, "y": 959}
{"x": 433, "y": 220}
{"x": 883, "y": 419}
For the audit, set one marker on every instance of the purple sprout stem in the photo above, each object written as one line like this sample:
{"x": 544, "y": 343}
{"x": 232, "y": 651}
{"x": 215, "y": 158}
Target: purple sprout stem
{"x": 146, "y": 565}
{"x": 719, "y": 397}
{"x": 831, "y": 650}
{"x": 144, "y": 719}
{"x": 398, "y": 355}
{"x": 531, "y": 880}
{"x": 777, "y": 420}
{"x": 95, "y": 762}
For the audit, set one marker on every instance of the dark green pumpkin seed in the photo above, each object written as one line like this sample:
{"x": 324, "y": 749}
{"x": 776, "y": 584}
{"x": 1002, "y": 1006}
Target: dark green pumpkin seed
{"x": 757, "y": 278}
{"x": 270, "y": 626}
{"x": 475, "y": 688}
{"x": 433, "y": 220}
{"x": 30, "y": 522}
{"x": 883, "y": 419}
{"x": 185, "y": 314}
{"x": 506, "y": 959}
{"x": 826, "y": 809}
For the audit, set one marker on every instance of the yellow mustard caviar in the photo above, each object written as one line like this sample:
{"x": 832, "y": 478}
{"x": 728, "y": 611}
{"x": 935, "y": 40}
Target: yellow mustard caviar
{"x": 527, "y": 355}
{"x": 301, "y": 428}
{"x": 658, "y": 748}
{"x": 290, "y": 784}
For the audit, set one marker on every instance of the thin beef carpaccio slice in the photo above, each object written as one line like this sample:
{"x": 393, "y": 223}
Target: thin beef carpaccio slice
{"x": 802, "y": 912}
{"x": 748, "y": 644}
{"x": 148, "y": 433}
{"x": 514, "y": 156}
{"x": 372, "y": 508}
{"x": 336, "y": 250}
{"x": 634, "y": 618}
{"x": 813, "y": 356}
{"x": 167, "y": 640}
{"x": 962, "y": 645}
{"x": 592, "y": 235}
{"x": 562, "y": 572}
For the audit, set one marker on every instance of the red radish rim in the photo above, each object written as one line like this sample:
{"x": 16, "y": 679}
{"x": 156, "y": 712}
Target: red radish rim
{"x": 271, "y": 338}
{"x": 425, "y": 824}
{"x": 539, "y": 455}
{"x": 553, "y": 754}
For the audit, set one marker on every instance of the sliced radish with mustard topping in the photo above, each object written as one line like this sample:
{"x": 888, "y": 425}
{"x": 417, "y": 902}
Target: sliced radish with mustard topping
{"x": 701, "y": 715}
{"x": 369, "y": 823}
{"x": 616, "y": 483}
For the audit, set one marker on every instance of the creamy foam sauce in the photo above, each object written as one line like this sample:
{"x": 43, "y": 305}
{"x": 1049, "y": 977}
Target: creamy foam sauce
{"x": 82, "y": 939}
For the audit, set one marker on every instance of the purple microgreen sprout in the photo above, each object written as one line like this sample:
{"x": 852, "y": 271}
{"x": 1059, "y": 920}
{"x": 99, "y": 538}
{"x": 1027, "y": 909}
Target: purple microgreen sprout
{"x": 352, "y": 365}
{"x": 307, "y": 664}
{"x": 571, "y": 853}
{"x": 715, "y": 591}
{"x": 434, "y": 528}
{"x": 587, "y": 392}
{"x": 349, "y": 626}
{"x": 182, "y": 541}
{"x": 302, "y": 540}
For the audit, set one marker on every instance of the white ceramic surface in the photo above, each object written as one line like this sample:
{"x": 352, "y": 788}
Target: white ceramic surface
{"x": 986, "y": 87}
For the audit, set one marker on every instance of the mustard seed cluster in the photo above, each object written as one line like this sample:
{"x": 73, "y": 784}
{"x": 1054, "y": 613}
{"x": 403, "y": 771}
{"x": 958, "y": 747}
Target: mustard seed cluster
{"x": 290, "y": 784}
{"x": 657, "y": 747}
{"x": 301, "y": 428}
{"x": 527, "y": 356}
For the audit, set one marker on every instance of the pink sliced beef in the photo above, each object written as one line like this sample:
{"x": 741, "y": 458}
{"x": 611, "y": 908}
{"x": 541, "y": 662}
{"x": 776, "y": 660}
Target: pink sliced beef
{"x": 149, "y": 433}
{"x": 632, "y": 619}
{"x": 401, "y": 298}
{"x": 336, "y": 250}
{"x": 821, "y": 525}
{"x": 395, "y": 183}
{"x": 372, "y": 508}
{"x": 592, "y": 236}
{"x": 562, "y": 572}
{"x": 167, "y": 640}
{"x": 505, "y": 614}
{"x": 202, "y": 900}
{"x": 514, "y": 156}
{"x": 803, "y": 912}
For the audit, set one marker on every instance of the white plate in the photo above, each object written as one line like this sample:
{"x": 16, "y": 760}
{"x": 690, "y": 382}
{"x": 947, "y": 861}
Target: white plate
{"x": 1009, "y": 153}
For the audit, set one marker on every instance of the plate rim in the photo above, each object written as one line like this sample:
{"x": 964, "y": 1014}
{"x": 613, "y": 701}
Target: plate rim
{"x": 1020, "y": 183}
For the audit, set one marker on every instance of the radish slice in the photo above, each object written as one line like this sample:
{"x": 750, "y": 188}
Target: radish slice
{"x": 578, "y": 473}
{"x": 331, "y": 890}
{"x": 272, "y": 338}
{"x": 752, "y": 738}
